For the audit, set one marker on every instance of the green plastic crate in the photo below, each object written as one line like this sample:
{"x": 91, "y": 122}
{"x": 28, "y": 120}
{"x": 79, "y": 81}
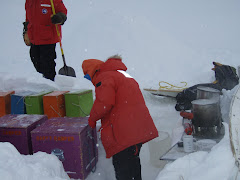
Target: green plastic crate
{"x": 34, "y": 103}
{"x": 78, "y": 103}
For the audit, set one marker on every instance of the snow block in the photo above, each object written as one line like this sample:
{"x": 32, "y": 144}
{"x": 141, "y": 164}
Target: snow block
{"x": 18, "y": 102}
{"x": 16, "y": 130}
{"x": 78, "y": 103}
{"x": 54, "y": 104}
{"x": 5, "y": 102}
{"x": 34, "y": 103}
{"x": 72, "y": 141}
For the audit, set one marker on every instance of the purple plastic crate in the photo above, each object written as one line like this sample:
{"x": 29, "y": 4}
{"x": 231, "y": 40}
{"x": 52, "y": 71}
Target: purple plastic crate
{"x": 71, "y": 140}
{"x": 16, "y": 130}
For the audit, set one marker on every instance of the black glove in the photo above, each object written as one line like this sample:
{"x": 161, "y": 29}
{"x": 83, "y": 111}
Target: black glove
{"x": 25, "y": 24}
{"x": 59, "y": 18}
{"x": 25, "y": 35}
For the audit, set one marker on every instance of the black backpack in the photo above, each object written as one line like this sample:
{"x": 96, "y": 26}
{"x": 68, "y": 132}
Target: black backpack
{"x": 226, "y": 78}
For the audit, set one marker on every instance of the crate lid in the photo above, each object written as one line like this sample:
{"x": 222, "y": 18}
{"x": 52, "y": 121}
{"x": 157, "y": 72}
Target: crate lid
{"x": 79, "y": 92}
{"x": 24, "y": 93}
{"x": 6, "y": 93}
{"x": 63, "y": 125}
{"x": 56, "y": 93}
{"x": 19, "y": 120}
{"x": 40, "y": 93}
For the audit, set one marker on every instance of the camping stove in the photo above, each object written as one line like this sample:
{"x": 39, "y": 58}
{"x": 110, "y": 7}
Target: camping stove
{"x": 207, "y": 118}
{"x": 208, "y": 132}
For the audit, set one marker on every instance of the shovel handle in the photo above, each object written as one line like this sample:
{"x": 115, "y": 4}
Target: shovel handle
{"x": 53, "y": 9}
{"x": 58, "y": 33}
{"x": 64, "y": 62}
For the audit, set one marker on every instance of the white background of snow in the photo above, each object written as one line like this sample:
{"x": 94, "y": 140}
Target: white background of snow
{"x": 171, "y": 41}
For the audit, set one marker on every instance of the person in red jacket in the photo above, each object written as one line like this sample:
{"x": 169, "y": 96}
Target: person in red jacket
{"x": 40, "y": 33}
{"x": 125, "y": 120}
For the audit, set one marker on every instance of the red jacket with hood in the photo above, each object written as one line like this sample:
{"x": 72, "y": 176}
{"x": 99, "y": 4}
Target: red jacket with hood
{"x": 120, "y": 105}
{"x": 40, "y": 28}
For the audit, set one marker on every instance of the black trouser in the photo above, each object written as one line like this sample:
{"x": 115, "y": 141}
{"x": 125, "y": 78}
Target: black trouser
{"x": 127, "y": 163}
{"x": 43, "y": 58}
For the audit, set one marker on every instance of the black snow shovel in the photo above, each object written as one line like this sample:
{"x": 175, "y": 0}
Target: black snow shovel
{"x": 65, "y": 70}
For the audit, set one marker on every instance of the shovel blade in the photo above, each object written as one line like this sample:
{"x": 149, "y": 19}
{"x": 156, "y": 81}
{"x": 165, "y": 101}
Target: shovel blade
{"x": 67, "y": 71}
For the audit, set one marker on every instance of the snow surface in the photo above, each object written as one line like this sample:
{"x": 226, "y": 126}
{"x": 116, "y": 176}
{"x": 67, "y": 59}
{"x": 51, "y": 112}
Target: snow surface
{"x": 170, "y": 41}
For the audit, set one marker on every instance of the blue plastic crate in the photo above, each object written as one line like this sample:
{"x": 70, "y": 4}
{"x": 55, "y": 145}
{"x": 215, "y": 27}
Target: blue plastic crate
{"x": 18, "y": 102}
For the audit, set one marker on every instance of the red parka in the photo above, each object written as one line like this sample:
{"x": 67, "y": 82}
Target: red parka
{"x": 120, "y": 105}
{"x": 40, "y": 28}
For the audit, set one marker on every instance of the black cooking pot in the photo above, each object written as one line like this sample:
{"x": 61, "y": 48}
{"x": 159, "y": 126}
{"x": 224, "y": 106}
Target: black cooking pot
{"x": 206, "y": 112}
{"x": 207, "y": 93}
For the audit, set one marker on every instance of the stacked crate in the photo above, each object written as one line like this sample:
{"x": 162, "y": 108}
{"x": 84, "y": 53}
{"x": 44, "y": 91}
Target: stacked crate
{"x": 5, "y": 102}
{"x": 54, "y": 104}
{"x": 78, "y": 103}
{"x": 52, "y": 122}
{"x": 71, "y": 140}
{"x": 34, "y": 103}
{"x": 18, "y": 102}
{"x": 16, "y": 130}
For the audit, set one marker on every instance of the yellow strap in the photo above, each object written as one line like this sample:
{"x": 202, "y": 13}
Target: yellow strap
{"x": 170, "y": 86}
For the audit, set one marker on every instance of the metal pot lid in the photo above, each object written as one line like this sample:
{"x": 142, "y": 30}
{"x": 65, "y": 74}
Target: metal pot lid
{"x": 208, "y": 89}
{"x": 204, "y": 101}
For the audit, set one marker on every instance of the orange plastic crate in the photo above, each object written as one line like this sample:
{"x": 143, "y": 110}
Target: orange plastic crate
{"x": 5, "y": 102}
{"x": 54, "y": 104}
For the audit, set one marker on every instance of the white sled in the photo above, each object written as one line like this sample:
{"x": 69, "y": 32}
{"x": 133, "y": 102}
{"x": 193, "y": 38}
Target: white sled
{"x": 234, "y": 126}
{"x": 164, "y": 92}
{"x": 167, "y": 89}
